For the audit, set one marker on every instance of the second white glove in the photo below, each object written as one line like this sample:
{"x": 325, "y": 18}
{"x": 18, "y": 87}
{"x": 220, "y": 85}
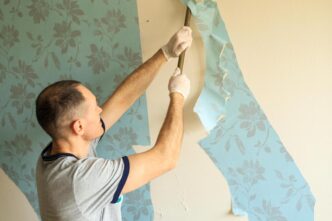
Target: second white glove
{"x": 179, "y": 42}
{"x": 179, "y": 83}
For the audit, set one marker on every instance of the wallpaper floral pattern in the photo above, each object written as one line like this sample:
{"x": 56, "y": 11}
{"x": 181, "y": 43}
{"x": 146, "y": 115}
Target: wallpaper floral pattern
{"x": 263, "y": 178}
{"x": 95, "y": 42}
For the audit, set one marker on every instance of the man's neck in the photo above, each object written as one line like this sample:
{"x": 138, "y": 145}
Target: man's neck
{"x": 77, "y": 147}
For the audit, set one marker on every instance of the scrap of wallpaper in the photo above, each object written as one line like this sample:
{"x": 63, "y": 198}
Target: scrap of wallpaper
{"x": 95, "y": 42}
{"x": 264, "y": 181}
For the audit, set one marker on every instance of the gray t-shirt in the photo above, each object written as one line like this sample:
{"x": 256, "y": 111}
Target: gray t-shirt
{"x": 72, "y": 189}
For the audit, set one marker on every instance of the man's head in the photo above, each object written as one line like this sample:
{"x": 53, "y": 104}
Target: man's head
{"x": 67, "y": 108}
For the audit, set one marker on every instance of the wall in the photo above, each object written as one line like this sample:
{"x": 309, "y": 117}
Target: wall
{"x": 285, "y": 53}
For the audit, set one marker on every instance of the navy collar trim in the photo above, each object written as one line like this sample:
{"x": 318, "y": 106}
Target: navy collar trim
{"x": 48, "y": 148}
{"x": 53, "y": 157}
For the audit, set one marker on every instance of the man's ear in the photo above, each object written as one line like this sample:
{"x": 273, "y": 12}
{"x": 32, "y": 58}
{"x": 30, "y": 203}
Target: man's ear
{"x": 77, "y": 127}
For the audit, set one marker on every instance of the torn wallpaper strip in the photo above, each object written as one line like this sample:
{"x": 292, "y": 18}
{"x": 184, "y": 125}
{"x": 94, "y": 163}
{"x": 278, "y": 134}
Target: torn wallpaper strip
{"x": 264, "y": 181}
{"x": 95, "y": 42}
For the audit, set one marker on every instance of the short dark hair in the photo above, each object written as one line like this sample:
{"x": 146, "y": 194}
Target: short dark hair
{"x": 55, "y": 101}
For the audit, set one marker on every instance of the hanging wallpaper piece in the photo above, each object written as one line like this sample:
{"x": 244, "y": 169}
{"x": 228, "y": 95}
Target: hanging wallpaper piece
{"x": 264, "y": 181}
{"x": 41, "y": 41}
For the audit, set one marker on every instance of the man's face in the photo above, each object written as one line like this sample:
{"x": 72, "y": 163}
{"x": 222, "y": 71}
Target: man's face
{"x": 91, "y": 115}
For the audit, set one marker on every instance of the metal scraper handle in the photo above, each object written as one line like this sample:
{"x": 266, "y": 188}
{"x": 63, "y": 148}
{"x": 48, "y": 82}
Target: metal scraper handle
{"x": 186, "y": 23}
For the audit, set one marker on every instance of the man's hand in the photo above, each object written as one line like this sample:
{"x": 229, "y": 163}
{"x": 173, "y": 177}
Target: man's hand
{"x": 179, "y": 83}
{"x": 180, "y": 41}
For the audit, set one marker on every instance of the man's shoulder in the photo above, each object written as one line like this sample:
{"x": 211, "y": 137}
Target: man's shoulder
{"x": 60, "y": 167}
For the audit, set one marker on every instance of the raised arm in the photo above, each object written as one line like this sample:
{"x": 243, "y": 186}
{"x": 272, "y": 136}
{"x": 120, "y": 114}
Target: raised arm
{"x": 163, "y": 156}
{"x": 131, "y": 89}
{"x": 137, "y": 82}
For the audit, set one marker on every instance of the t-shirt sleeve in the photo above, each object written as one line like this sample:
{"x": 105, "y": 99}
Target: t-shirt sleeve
{"x": 98, "y": 182}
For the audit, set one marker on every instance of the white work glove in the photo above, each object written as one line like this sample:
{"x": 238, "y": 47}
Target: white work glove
{"x": 180, "y": 41}
{"x": 179, "y": 83}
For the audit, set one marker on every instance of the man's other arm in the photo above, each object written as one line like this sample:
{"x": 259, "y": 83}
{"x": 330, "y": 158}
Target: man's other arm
{"x": 131, "y": 89}
{"x": 165, "y": 153}
{"x": 163, "y": 156}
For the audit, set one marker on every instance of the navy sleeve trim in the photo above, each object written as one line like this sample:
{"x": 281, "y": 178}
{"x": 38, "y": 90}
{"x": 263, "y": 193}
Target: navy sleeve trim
{"x": 103, "y": 126}
{"x": 123, "y": 179}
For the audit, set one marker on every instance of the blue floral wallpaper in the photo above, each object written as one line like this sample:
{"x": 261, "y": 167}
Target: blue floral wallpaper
{"x": 263, "y": 179}
{"x": 95, "y": 42}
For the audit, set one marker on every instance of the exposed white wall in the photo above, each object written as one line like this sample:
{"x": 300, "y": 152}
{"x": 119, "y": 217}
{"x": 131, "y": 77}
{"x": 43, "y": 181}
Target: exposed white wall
{"x": 285, "y": 52}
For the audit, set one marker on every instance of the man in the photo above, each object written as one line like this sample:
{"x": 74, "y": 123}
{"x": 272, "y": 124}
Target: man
{"x": 73, "y": 184}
